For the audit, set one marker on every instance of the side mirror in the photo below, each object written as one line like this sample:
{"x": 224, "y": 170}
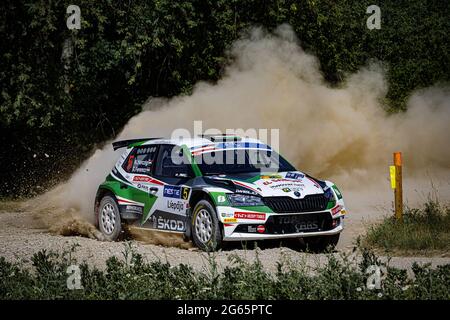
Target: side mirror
{"x": 184, "y": 172}
{"x": 181, "y": 175}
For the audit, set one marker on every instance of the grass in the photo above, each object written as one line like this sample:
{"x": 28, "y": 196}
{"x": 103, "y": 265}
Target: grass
{"x": 131, "y": 277}
{"x": 423, "y": 230}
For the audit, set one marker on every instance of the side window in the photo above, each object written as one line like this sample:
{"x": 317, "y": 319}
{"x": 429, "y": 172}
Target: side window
{"x": 140, "y": 160}
{"x": 172, "y": 163}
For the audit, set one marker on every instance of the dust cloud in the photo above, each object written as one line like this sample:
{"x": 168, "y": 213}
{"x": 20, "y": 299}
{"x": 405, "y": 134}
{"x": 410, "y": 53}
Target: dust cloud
{"x": 341, "y": 134}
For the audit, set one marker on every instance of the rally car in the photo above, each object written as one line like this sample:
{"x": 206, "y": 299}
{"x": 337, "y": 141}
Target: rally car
{"x": 213, "y": 189}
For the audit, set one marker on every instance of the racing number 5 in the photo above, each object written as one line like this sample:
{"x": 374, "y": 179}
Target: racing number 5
{"x": 185, "y": 193}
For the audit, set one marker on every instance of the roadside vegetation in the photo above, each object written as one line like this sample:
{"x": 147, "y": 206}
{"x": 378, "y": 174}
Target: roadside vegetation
{"x": 423, "y": 230}
{"x": 65, "y": 91}
{"x": 131, "y": 277}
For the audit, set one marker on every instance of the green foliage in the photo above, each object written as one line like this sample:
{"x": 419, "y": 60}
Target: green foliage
{"x": 133, "y": 278}
{"x": 63, "y": 91}
{"x": 423, "y": 229}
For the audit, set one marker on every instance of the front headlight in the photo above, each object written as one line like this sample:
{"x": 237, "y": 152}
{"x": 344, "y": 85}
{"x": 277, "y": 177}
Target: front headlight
{"x": 329, "y": 194}
{"x": 244, "y": 200}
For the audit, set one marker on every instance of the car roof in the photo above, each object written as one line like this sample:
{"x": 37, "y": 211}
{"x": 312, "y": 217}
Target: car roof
{"x": 201, "y": 141}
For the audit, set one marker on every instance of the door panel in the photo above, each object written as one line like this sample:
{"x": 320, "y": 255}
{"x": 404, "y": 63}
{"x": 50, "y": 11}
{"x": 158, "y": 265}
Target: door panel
{"x": 169, "y": 212}
{"x": 138, "y": 168}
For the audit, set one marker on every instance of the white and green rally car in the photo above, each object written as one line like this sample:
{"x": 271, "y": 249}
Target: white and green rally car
{"x": 216, "y": 188}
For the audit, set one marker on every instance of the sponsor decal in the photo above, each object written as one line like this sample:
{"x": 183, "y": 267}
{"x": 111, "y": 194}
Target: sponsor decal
{"x": 175, "y": 205}
{"x": 294, "y": 175}
{"x": 141, "y": 170}
{"x": 336, "y": 209}
{"x": 289, "y": 181}
{"x": 287, "y": 185}
{"x": 251, "y": 229}
{"x": 134, "y": 208}
{"x": 146, "y": 150}
{"x": 298, "y": 222}
{"x": 250, "y": 215}
{"x": 221, "y": 199}
{"x": 168, "y": 224}
{"x": 338, "y": 193}
{"x": 143, "y": 162}
{"x": 261, "y": 229}
{"x": 286, "y": 190}
{"x": 172, "y": 192}
{"x": 248, "y": 189}
{"x": 306, "y": 225}
{"x": 146, "y": 179}
{"x": 230, "y": 220}
{"x": 245, "y": 191}
{"x": 141, "y": 179}
{"x": 275, "y": 176}
{"x": 142, "y": 186}
{"x": 297, "y": 194}
{"x": 130, "y": 162}
{"x": 227, "y": 215}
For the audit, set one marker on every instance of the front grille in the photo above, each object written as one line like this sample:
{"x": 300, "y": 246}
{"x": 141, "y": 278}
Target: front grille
{"x": 309, "y": 222}
{"x": 315, "y": 202}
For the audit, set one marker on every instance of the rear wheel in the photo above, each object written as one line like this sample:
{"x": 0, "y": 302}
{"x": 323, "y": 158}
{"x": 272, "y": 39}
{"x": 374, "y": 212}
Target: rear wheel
{"x": 206, "y": 230}
{"x": 321, "y": 243}
{"x": 109, "y": 221}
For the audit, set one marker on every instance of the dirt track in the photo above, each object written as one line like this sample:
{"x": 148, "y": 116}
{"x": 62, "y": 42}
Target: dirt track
{"x": 22, "y": 234}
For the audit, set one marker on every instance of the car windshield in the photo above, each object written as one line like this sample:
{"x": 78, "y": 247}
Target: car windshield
{"x": 234, "y": 161}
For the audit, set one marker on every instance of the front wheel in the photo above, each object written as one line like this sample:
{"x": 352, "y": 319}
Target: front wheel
{"x": 206, "y": 230}
{"x": 109, "y": 221}
{"x": 321, "y": 243}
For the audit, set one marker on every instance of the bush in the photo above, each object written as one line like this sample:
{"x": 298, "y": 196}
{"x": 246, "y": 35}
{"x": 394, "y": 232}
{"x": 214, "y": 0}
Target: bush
{"x": 133, "y": 278}
{"x": 423, "y": 229}
{"x": 56, "y": 103}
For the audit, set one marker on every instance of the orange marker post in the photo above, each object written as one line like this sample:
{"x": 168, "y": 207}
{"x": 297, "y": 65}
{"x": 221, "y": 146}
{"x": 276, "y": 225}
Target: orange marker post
{"x": 398, "y": 192}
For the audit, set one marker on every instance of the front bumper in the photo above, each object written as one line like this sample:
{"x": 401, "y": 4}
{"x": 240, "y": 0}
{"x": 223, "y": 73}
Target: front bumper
{"x": 247, "y": 225}
{"x": 241, "y": 236}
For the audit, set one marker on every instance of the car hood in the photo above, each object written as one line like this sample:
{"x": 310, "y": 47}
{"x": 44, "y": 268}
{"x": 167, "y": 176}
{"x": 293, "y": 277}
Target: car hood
{"x": 294, "y": 184}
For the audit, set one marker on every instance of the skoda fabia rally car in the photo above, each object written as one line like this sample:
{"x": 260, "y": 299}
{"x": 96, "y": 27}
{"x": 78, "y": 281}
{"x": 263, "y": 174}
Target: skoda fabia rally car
{"x": 216, "y": 188}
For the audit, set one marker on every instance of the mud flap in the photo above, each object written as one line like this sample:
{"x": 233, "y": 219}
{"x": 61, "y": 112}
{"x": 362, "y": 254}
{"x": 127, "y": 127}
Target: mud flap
{"x": 129, "y": 214}
{"x": 187, "y": 235}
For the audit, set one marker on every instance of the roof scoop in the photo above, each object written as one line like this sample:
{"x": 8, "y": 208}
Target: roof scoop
{"x": 221, "y": 137}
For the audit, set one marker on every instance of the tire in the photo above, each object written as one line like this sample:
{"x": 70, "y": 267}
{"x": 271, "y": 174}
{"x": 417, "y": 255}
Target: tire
{"x": 205, "y": 227}
{"x": 321, "y": 243}
{"x": 109, "y": 222}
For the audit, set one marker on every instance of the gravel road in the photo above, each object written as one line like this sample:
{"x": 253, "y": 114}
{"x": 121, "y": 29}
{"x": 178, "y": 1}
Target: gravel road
{"x": 22, "y": 234}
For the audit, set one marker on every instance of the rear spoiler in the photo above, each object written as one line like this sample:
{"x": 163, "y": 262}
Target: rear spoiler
{"x": 125, "y": 143}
